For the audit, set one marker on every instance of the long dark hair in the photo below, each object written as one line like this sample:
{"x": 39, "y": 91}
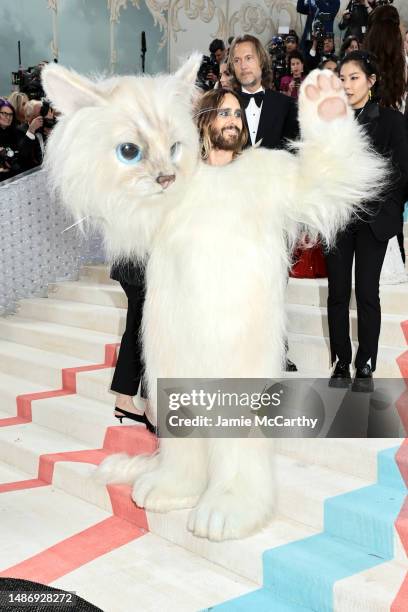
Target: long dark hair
{"x": 384, "y": 40}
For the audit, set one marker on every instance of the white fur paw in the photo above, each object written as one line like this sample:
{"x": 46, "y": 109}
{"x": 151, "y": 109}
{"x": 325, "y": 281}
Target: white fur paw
{"x": 227, "y": 516}
{"x": 111, "y": 468}
{"x": 162, "y": 491}
{"x": 322, "y": 95}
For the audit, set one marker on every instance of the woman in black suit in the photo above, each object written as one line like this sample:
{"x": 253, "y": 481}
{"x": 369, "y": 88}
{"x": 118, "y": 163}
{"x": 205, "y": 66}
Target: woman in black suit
{"x": 366, "y": 238}
{"x": 129, "y": 367}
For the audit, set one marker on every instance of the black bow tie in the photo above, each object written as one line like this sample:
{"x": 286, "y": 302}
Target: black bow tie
{"x": 258, "y": 97}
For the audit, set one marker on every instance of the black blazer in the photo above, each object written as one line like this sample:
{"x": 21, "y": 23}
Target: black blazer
{"x": 278, "y": 121}
{"x": 387, "y": 130}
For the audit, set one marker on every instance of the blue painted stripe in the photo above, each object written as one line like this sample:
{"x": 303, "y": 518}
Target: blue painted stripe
{"x": 358, "y": 535}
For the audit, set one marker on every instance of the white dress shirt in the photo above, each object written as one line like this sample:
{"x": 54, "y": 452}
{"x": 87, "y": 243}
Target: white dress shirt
{"x": 253, "y": 113}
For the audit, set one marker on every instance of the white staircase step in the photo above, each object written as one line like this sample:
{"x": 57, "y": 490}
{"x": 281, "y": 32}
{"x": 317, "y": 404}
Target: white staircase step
{"x": 95, "y": 384}
{"x": 310, "y": 352}
{"x": 370, "y": 591}
{"x": 96, "y": 274}
{"x": 36, "y": 365}
{"x": 313, "y": 292}
{"x": 89, "y": 316}
{"x": 35, "y": 519}
{"x": 81, "y": 343}
{"x": 12, "y": 386}
{"x": 352, "y": 456}
{"x": 74, "y": 416}
{"x": 88, "y": 292}
{"x": 151, "y": 574}
{"x": 312, "y": 320}
{"x": 244, "y": 557}
{"x": 9, "y": 473}
{"x": 21, "y": 445}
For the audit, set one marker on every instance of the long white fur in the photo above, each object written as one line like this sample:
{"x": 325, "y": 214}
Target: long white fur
{"x": 217, "y": 246}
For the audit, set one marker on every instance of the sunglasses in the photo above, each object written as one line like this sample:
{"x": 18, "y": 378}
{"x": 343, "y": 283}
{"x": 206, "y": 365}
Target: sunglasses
{"x": 3, "y": 114}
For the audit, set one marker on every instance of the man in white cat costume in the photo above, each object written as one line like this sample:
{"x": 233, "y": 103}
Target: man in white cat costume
{"x": 125, "y": 153}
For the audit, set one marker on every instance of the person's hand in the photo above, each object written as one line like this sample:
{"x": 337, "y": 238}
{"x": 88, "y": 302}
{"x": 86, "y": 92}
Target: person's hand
{"x": 314, "y": 43}
{"x": 36, "y": 124}
{"x": 212, "y": 77}
{"x": 291, "y": 87}
{"x": 346, "y": 15}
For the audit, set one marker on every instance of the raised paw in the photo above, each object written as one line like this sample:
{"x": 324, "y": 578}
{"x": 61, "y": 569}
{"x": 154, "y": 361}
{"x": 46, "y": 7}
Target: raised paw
{"x": 324, "y": 91}
{"x": 162, "y": 491}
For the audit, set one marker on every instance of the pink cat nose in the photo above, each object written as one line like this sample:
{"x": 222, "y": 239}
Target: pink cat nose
{"x": 165, "y": 180}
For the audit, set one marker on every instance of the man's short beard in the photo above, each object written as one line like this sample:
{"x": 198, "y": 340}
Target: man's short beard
{"x": 224, "y": 144}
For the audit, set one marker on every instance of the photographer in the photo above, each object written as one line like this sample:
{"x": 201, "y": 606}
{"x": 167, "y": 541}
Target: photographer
{"x": 9, "y": 138}
{"x": 351, "y": 43}
{"x": 355, "y": 19}
{"x": 322, "y": 10}
{"x": 322, "y": 47}
{"x": 40, "y": 120}
{"x": 209, "y": 70}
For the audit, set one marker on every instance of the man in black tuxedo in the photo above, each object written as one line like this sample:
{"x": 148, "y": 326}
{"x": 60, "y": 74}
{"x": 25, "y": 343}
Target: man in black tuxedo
{"x": 271, "y": 116}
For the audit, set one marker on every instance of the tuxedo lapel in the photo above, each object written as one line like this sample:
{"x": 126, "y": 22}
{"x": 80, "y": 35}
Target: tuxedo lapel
{"x": 264, "y": 119}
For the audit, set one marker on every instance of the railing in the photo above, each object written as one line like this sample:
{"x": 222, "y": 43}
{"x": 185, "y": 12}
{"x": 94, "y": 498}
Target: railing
{"x": 34, "y": 250}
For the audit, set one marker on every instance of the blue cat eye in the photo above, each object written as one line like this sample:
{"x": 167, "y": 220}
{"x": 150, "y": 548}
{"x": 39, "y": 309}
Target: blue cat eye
{"x": 175, "y": 151}
{"x": 129, "y": 153}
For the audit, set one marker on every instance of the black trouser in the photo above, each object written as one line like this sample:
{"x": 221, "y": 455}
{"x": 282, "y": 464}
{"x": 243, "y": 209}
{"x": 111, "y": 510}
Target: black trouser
{"x": 129, "y": 367}
{"x": 358, "y": 240}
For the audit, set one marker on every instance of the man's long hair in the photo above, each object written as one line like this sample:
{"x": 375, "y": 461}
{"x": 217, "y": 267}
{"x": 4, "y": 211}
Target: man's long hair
{"x": 384, "y": 40}
{"x": 206, "y": 114}
{"x": 263, "y": 57}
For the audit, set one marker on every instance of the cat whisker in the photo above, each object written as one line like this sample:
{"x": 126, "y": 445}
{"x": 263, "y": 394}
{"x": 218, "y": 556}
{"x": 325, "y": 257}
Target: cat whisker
{"x": 204, "y": 110}
{"x": 74, "y": 224}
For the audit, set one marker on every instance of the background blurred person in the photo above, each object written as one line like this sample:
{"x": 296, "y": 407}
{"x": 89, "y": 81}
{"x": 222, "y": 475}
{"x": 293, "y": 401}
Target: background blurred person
{"x": 18, "y": 100}
{"x": 40, "y": 120}
{"x": 330, "y": 63}
{"x": 355, "y": 19}
{"x": 9, "y": 139}
{"x": 384, "y": 40}
{"x": 351, "y": 43}
{"x": 226, "y": 79}
{"x": 289, "y": 85}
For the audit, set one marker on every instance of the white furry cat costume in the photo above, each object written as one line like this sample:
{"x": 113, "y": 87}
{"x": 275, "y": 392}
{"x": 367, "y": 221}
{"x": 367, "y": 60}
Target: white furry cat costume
{"x": 216, "y": 240}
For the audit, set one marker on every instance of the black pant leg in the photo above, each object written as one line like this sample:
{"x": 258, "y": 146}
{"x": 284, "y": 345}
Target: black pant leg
{"x": 370, "y": 254}
{"x": 339, "y": 262}
{"x": 129, "y": 366}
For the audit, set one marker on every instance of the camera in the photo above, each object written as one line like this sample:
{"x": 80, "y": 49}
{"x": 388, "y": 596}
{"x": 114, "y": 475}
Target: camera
{"x": 277, "y": 51}
{"x": 29, "y": 82}
{"x": 209, "y": 64}
{"x": 45, "y": 107}
{"x": 9, "y": 159}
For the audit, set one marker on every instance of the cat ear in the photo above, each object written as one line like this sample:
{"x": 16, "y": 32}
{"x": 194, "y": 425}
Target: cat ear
{"x": 188, "y": 71}
{"x": 67, "y": 90}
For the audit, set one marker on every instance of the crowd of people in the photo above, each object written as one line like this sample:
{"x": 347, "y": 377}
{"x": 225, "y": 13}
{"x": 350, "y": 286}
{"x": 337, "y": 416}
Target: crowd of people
{"x": 26, "y": 120}
{"x": 249, "y": 97}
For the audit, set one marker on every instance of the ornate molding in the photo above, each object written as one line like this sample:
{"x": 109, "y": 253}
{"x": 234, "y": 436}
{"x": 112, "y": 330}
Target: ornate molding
{"x": 251, "y": 18}
{"x": 53, "y": 6}
{"x": 157, "y": 10}
{"x": 205, "y": 10}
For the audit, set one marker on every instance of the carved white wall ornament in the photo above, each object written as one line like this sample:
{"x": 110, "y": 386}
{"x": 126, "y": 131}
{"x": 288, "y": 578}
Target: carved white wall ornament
{"x": 250, "y": 18}
{"x": 53, "y": 6}
{"x": 205, "y": 10}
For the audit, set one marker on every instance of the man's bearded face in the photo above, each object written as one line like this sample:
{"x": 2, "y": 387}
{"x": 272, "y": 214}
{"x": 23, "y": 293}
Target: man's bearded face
{"x": 226, "y": 129}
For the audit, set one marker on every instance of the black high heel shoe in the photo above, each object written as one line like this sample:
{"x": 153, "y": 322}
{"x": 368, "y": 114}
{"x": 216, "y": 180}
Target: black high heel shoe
{"x": 140, "y": 418}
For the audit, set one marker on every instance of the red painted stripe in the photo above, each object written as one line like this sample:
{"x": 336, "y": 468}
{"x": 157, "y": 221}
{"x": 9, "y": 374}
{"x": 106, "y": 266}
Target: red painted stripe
{"x": 24, "y": 413}
{"x": 400, "y": 603}
{"x": 75, "y": 551}
{"x": 22, "y": 484}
